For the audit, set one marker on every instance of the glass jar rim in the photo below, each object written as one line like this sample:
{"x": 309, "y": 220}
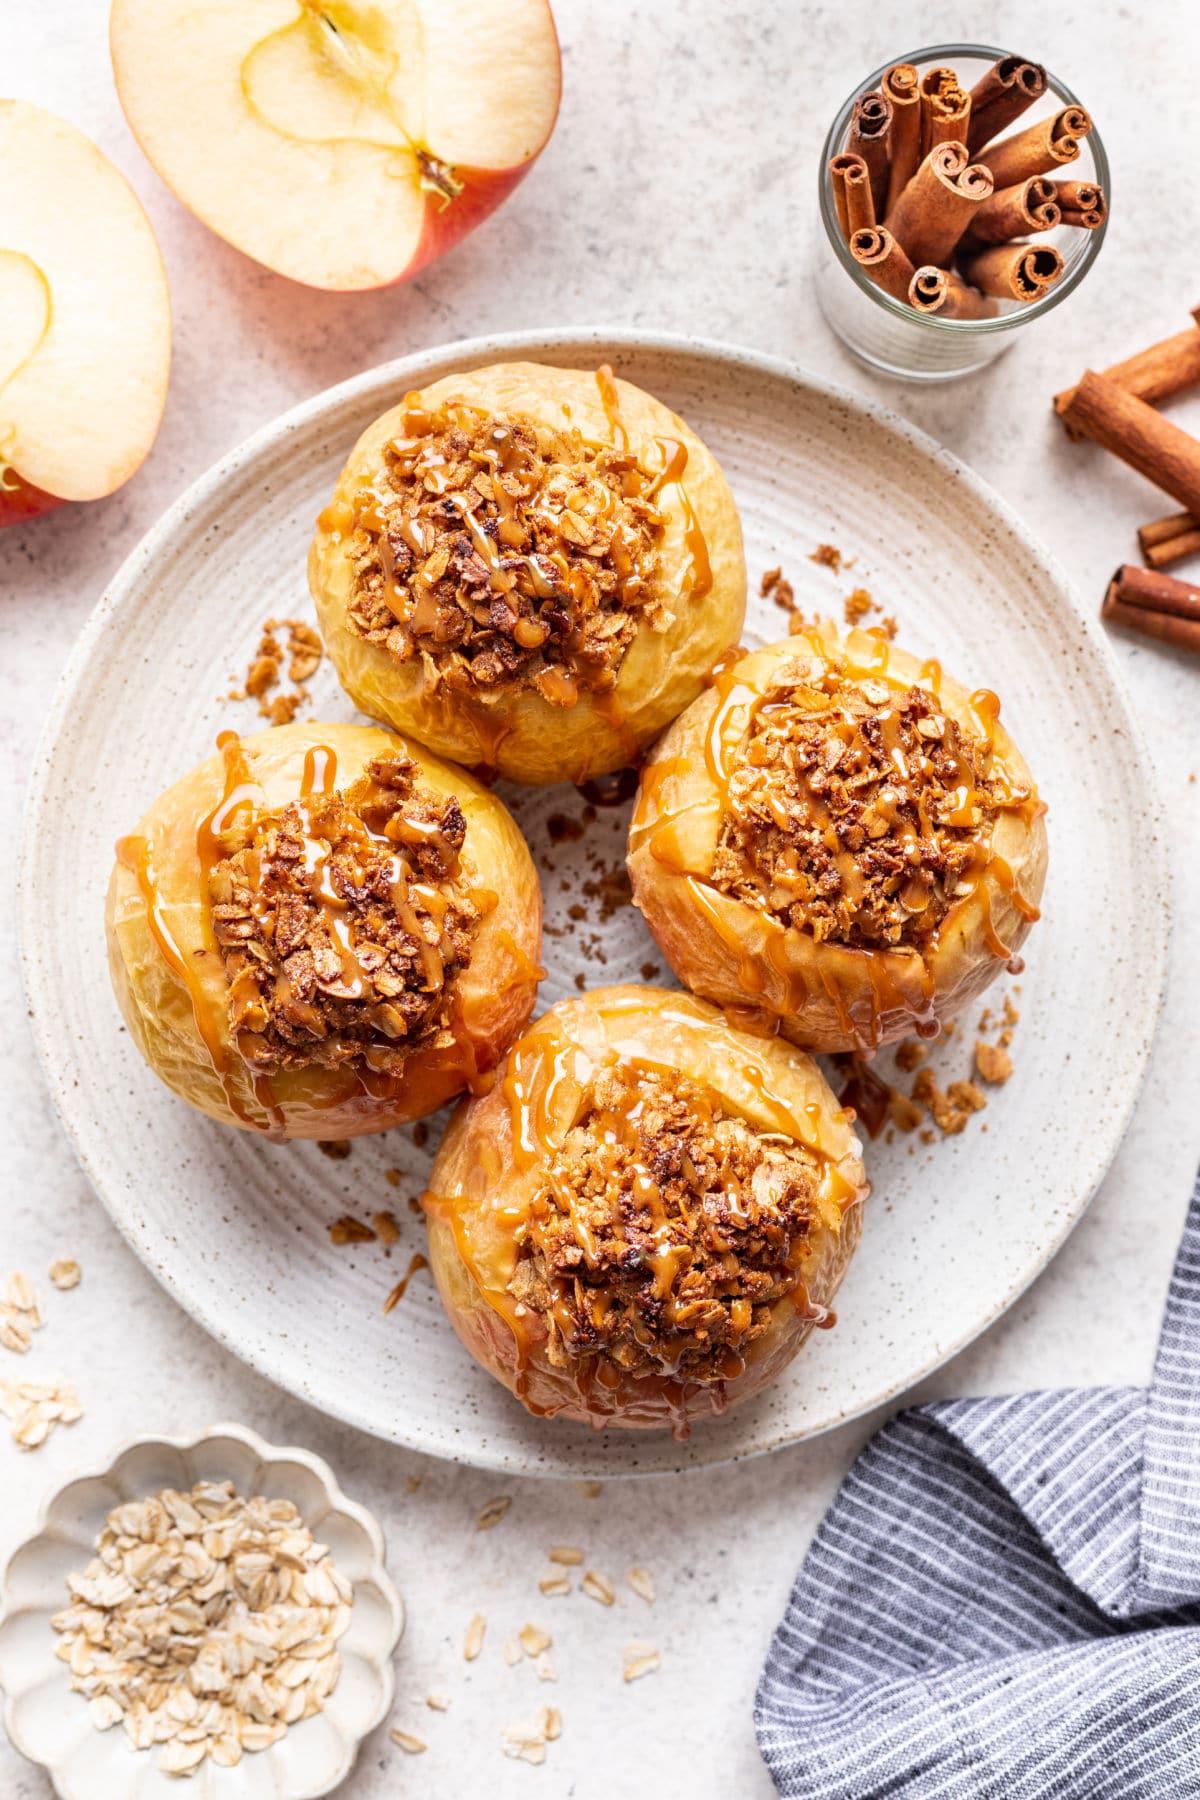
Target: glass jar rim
{"x": 900, "y": 309}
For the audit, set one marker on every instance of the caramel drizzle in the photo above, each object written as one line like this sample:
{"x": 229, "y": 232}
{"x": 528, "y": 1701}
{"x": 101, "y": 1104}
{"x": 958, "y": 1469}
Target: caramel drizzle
{"x": 674, "y": 462}
{"x": 401, "y": 1288}
{"x": 738, "y": 703}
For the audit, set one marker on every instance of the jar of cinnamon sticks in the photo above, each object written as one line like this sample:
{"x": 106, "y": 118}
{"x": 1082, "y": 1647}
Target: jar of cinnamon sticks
{"x": 994, "y": 248}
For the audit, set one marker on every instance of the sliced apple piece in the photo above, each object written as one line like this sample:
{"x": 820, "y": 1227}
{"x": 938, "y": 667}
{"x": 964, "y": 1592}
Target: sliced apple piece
{"x": 85, "y": 318}
{"x": 343, "y": 143}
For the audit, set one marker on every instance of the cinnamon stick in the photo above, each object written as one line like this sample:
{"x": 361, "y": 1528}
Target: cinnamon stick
{"x": 880, "y": 257}
{"x": 869, "y": 137}
{"x": 1157, "y": 606}
{"x": 1128, "y": 428}
{"x": 900, "y": 87}
{"x": 1153, "y": 592}
{"x": 943, "y": 292}
{"x": 851, "y": 193}
{"x": 1164, "y": 541}
{"x": 1013, "y": 271}
{"x": 1153, "y": 374}
{"x": 1012, "y": 212}
{"x": 1081, "y": 203}
{"x": 1042, "y": 147}
{"x": 945, "y": 110}
{"x": 938, "y": 204}
{"x": 1000, "y": 96}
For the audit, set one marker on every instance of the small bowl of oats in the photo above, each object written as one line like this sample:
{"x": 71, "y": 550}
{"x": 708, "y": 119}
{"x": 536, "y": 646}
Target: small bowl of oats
{"x": 210, "y": 1609}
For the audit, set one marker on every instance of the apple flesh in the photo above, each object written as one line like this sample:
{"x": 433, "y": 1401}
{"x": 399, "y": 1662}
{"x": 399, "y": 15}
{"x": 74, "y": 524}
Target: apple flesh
{"x": 85, "y": 318}
{"x": 343, "y": 143}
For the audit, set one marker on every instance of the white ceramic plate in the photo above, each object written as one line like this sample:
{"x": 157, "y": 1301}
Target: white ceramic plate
{"x": 237, "y": 1229}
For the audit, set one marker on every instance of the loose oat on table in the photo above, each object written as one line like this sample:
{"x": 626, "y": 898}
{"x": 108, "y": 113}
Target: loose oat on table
{"x": 513, "y": 1653}
{"x": 598, "y": 1587}
{"x": 534, "y": 1640}
{"x": 206, "y": 1623}
{"x": 19, "y": 1315}
{"x": 492, "y": 1512}
{"x": 569, "y": 1555}
{"x": 591, "y": 1490}
{"x": 642, "y": 1583}
{"x": 640, "y": 1659}
{"x": 65, "y": 1272}
{"x": 438, "y": 1702}
{"x": 546, "y": 1670}
{"x": 408, "y": 1741}
{"x": 473, "y": 1642}
{"x": 554, "y": 1585}
{"x": 528, "y": 1742}
{"x": 36, "y": 1407}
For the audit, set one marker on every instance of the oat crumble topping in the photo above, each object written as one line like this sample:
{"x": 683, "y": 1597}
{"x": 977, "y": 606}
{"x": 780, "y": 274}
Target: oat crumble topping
{"x": 503, "y": 552}
{"x": 342, "y": 924}
{"x": 855, "y": 810}
{"x": 666, "y": 1229}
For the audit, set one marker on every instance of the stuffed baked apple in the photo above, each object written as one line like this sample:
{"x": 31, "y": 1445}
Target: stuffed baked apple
{"x": 323, "y": 931}
{"x": 840, "y": 837}
{"x": 529, "y": 568}
{"x": 646, "y": 1217}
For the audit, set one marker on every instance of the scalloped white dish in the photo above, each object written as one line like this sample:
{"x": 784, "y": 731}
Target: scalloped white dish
{"x": 237, "y": 1229}
{"x": 50, "y": 1724}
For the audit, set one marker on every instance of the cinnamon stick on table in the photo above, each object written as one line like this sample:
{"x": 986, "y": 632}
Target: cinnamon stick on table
{"x": 851, "y": 185}
{"x": 1153, "y": 374}
{"x": 938, "y": 204}
{"x": 900, "y": 87}
{"x": 1042, "y": 147}
{"x": 1013, "y": 271}
{"x": 1000, "y": 96}
{"x": 1156, "y": 605}
{"x": 1126, "y": 426}
{"x": 880, "y": 256}
{"x": 1166, "y": 540}
{"x": 1013, "y": 212}
{"x": 869, "y": 136}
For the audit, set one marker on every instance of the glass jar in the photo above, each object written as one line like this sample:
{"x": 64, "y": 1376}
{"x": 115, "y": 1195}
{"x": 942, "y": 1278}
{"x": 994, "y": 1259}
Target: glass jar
{"x": 887, "y": 334}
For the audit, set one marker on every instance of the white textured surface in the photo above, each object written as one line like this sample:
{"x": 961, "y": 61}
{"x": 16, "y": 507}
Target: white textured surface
{"x": 678, "y": 194}
{"x": 954, "y": 1230}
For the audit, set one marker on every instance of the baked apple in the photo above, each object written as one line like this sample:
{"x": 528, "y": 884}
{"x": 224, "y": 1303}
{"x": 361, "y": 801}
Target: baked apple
{"x": 85, "y": 319}
{"x": 646, "y": 1217}
{"x": 343, "y": 143}
{"x": 323, "y": 931}
{"x": 840, "y": 837}
{"x": 529, "y": 568}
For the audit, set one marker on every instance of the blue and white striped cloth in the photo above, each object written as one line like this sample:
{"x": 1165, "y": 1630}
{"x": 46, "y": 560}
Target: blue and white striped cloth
{"x": 1003, "y": 1602}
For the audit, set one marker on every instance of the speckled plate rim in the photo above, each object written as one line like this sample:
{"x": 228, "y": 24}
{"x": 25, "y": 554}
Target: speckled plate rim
{"x": 267, "y": 1454}
{"x": 578, "y": 342}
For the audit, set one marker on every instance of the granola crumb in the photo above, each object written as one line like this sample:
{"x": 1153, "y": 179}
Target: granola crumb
{"x": 950, "y": 1110}
{"x": 858, "y": 606}
{"x": 591, "y": 1490}
{"x": 992, "y": 1063}
{"x": 387, "y": 1230}
{"x": 888, "y": 627}
{"x": 776, "y": 587}
{"x": 301, "y": 650}
{"x": 65, "y": 1272}
{"x": 349, "y": 1230}
{"x": 393, "y": 1177}
{"x": 336, "y": 1149}
{"x": 828, "y": 556}
{"x": 909, "y": 1053}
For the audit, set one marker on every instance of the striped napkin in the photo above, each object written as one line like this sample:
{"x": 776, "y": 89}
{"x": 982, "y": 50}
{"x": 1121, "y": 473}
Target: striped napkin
{"x": 1003, "y": 1602}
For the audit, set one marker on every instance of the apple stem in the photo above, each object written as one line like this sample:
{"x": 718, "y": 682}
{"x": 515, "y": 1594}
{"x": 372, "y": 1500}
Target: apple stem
{"x": 437, "y": 177}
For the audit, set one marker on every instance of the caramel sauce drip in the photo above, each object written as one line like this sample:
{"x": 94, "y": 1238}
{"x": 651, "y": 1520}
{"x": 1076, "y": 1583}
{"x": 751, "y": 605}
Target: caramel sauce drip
{"x": 401, "y": 1288}
{"x": 611, "y": 402}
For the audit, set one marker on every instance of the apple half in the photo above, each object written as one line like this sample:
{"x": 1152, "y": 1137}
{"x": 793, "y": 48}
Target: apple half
{"x": 343, "y": 143}
{"x": 85, "y": 318}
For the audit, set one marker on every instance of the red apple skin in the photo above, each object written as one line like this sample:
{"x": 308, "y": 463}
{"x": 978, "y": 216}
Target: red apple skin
{"x": 21, "y": 501}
